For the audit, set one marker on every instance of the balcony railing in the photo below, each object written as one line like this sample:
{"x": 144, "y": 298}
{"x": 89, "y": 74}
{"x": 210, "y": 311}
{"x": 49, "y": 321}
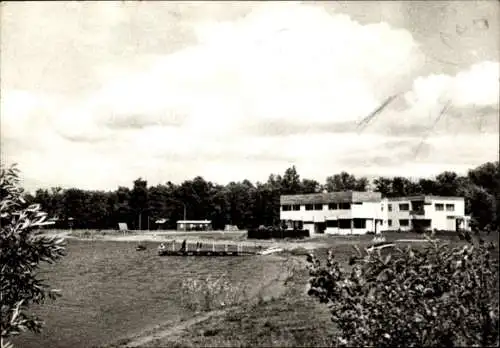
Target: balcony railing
{"x": 417, "y": 212}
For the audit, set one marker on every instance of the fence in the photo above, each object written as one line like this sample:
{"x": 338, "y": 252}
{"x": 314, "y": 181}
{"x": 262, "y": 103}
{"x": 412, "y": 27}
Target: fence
{"x": 276, "y": 233}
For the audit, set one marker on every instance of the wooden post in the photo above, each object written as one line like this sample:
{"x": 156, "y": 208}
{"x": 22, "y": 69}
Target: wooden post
{"x": 173, "y": 245}
{"x": 213, "y": 246}
{"x": 225, "y": 247}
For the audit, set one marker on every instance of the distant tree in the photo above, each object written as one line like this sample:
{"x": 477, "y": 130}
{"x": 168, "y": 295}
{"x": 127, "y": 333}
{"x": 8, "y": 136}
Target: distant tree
{"x": 400, "y": 187}
{"x": 139, "y": 203}
{"x": 22, "y": 251}
{"x": 427, "y": 186}
{"x": 266, "y": 207}
{"x": 341, "y": 182}
{"x": 383, "y": 185}
{"x": 483, "y": 206}
{"x": 119, "y": 206}
{"x": 96, "y": 209}
{"x": 43, "y": 198}
{"x": 361, "y": 184}
{"x": 241, "y": 198}
{"x": 290, "y": 183}
{"x": 75, "y": 207}
{"x": 486, "y": 176}
{"x": 447, "y": 184}
{"x": 310, "y": 186}
{"x": 272, "y": 191}
{"x": 244, "y": 203}
{"x": 218, "y": 204}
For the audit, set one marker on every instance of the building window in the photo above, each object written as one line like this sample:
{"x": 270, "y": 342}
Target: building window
{"x": 286, "y": 207}
{"x": 318, "y": 207}
{"x": 332, "y": 223}
{"x": 344, "y": 206}
{"x": 309, "y": 207}
{"x": 332, "y": 206}
{"x": 404, "y": 207}
{"x": 439, "y": 206}
{"x": 404, "y": 223}
{"x": 359, "y": 223}
{"x": 382, "y": 208}
{"x": 450, "y": 207}
{"x": 296, "y": 207}
{"x": 389, "y": 223}
{"x": 389, "y": 207}
{"x": 344, "y": 224}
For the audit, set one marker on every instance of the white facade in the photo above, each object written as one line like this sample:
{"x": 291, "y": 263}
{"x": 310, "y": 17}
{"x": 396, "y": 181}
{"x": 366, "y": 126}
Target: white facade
{"x": 335, "y": 212}
{"x": 427, "y": 212}
{"x": 362, "y": 212}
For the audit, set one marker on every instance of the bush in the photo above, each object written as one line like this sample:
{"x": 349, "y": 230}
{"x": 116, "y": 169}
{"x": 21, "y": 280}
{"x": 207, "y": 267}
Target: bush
{"x": 432, "y": 296}
{"x": 210, "y": 293}
{"x": 23, "y": 248}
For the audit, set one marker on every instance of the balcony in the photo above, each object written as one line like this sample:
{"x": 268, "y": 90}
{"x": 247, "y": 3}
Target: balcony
{"x": 417, "y": 212}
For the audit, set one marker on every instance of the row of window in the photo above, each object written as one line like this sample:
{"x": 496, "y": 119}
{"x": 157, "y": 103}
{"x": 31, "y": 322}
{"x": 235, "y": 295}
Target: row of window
{"x": 437, "y": 206}
{"x": 346, "y": 223}
{"x": 347, "y": 206}
{"x": 440, "y": 207}
{"x": 331, "y": 206}
{"x": 360, "y": 223}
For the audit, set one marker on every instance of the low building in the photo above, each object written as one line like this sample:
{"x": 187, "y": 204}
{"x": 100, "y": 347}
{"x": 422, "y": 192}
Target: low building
{"x": 425, "y": 213}
{"x": 354, "y": 212}
{"x": 194, "y": 225}
{"x": 348, "y": 212}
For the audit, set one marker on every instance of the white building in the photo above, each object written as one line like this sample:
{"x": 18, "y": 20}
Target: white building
{"x": 361, "y": 212}
{"x": 424, "y": 212}
{"x": 334, "y": 212}
{"x": 194, "y": 225}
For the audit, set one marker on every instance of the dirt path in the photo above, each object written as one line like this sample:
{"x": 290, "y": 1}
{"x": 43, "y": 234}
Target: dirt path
{"x": 173, "y": 331}
{"x": 273, "y": 288}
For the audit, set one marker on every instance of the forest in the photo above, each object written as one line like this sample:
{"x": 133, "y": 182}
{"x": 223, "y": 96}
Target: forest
{"x": 246, "y": 204}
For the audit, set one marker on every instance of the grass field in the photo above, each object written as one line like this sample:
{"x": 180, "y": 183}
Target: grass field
{"x": 116, "y": 296}
{"x": 111, "y": 291}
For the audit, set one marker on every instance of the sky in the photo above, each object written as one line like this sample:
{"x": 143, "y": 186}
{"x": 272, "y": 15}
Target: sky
{"x": 97, "y": 94}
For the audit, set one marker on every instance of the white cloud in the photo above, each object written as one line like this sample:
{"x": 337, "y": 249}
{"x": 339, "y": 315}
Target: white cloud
{"x": 174, "y": 116}
{"x": 478, "y": 85}
{"x": 292, "y": 62}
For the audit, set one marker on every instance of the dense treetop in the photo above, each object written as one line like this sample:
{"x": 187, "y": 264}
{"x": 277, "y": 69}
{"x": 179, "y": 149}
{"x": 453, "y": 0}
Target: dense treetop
{"x": 246, "y": 204}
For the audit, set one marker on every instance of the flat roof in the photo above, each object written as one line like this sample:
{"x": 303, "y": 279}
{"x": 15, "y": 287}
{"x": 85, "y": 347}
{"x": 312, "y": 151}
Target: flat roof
{"x": 425, "y": 198}
{"x": 194, "y": 221}
{"x": 331, "y": 197}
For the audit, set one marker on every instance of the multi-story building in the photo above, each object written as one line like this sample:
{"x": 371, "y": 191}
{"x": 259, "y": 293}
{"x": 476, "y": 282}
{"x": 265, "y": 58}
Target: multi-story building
{"x": 424, "y": 213}
{"x": 354, "y": 212}
{"x": 334, "y": 212}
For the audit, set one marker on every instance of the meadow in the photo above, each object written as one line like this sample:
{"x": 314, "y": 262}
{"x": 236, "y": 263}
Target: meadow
{"x": 115, "y": 296}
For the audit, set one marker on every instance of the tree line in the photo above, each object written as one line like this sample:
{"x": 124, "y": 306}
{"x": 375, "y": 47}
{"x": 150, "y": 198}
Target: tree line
{"x": 246, "y": 204}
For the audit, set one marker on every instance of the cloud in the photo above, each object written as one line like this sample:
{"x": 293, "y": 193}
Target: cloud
{"x": 479, "y": 85}
{"x": 285, "y": 63}
{"x": 285, "y": 84}
{"x": 468, "y": 102}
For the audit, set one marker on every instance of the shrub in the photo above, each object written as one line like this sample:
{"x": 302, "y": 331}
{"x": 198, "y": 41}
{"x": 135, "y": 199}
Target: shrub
{"x": 210, "y": 293}
{"x": 432, "y": 296}
{"x": 23, "y": 248}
